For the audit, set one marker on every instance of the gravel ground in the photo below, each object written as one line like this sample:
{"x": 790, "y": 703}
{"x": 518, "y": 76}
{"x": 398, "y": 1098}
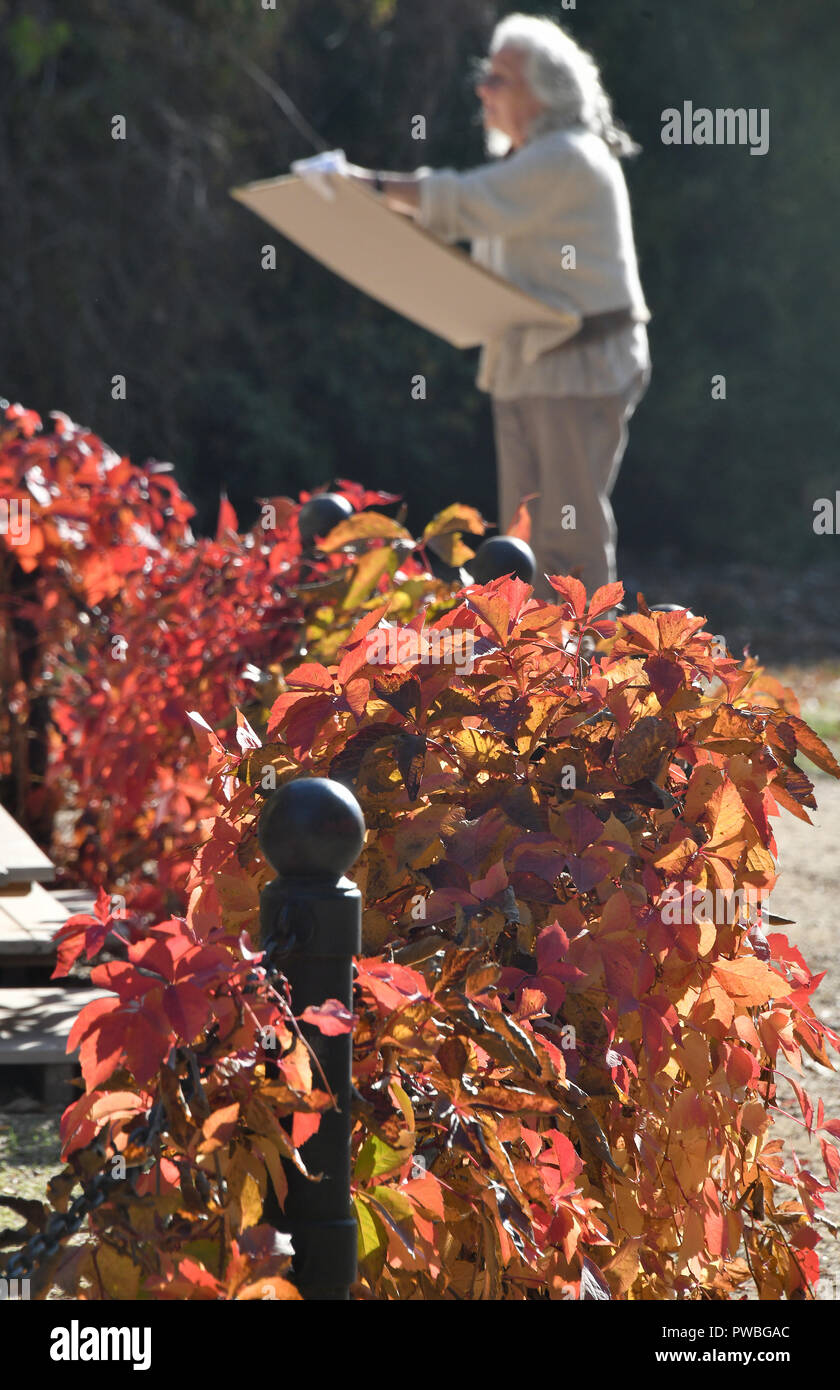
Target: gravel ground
{"x": 809, "y": 877}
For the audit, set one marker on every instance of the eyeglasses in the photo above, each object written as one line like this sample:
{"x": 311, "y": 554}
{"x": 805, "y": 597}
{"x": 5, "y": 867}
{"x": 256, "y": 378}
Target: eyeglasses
{"x": 484, "y": 76}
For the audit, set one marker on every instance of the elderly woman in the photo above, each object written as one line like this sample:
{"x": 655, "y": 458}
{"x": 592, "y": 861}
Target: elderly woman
{"x": 553, "y": 217}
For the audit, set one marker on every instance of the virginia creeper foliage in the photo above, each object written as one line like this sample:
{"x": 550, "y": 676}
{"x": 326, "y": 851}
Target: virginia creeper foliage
{"x": 558, "y": 1085}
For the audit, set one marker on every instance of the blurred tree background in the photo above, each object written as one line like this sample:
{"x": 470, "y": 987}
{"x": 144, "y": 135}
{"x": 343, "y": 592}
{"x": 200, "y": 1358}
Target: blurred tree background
{"x": 130, "y": 257}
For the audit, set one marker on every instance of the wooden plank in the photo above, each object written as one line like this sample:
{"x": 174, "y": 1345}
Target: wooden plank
{"x": 21, "y": 861}
{"x": 28, "y": 922}
{"x": 35, "y": 1023}
{"x": 75, "y": 899}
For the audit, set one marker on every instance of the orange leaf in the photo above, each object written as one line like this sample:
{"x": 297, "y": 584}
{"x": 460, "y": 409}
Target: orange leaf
{"x": 493, "y": 609}
{"x": 728, "y": 815}
{"x": 812, "y": 746}
{"x": 749, "y": 982}
{"x": 606, "y": 597}
{"x": 219, "y": 1127}
{"x": 269, "y": 1289}
{"x": 520, "y": 523}
{"x": 643, "y": 629}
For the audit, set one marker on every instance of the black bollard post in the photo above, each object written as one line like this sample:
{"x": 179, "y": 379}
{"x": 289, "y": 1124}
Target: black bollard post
{"x": 498, "y": 555}
{"x": 311, "y": 831}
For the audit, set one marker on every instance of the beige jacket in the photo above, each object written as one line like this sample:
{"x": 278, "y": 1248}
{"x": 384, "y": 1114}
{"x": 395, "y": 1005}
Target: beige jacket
{"x": 553, "y": 218}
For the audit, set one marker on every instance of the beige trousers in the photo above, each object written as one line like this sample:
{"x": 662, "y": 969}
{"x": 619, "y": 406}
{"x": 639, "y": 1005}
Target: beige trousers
{"x": 569, "y": 450}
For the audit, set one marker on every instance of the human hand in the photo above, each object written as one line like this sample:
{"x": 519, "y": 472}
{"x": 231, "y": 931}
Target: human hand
{"x": 316, "y": 170}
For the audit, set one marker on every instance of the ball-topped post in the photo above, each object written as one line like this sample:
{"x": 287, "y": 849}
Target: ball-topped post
{"x": 500, "y": 555}
{"x": 312, "y": 831}
{"x": 320, "y": 514}
{"x": 312, "y": 828}
{"x": 671, "y": 608}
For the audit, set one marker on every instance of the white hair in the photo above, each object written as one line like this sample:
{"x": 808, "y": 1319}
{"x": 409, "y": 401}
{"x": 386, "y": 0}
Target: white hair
{"x": 564, "y": 77}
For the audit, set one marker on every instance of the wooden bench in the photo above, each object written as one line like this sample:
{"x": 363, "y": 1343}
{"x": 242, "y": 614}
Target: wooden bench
{"x": 28, "y": 922}
{"x": 35, "y": 1018}
{"x": 35, "y": 1024}
{"x": 21, "y": 861}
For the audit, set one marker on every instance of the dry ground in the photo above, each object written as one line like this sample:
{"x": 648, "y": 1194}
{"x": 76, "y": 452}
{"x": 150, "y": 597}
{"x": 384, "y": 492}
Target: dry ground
{"x": 807, "y": 890}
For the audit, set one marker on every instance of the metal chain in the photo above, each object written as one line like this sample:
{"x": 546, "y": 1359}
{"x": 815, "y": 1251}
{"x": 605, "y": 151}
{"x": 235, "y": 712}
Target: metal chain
{"x": 63, "y": 1224}
{"x": 60, "y": 1227}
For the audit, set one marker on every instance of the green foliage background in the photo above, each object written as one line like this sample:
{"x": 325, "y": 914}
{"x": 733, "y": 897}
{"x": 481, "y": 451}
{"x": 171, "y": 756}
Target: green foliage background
{"x": 130, "y": 257}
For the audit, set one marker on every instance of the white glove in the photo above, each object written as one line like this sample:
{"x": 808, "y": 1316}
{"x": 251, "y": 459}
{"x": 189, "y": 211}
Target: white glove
{"x": 315, "y": 170}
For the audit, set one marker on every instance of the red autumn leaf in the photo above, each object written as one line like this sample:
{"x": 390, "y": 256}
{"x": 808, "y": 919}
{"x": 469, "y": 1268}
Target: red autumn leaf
{"x": 303, "y": 1127}
{"x": 123, "y": 1037}
{"x": 493, "y": 609}
{"x": 391, "y": 985}
{"x": 77, "y": 1128}
{"x": 310, "y": 676}
{"x": 714, "y": 1222}
{"x": 331, "y": 1018}
{"x": 831, "y": 1158}
{"x": 572, "y": 591}
{"x": 362, "y": 497}
{"x": 83, "y": 933}
{"x": 666, "y": 678}
{"x": 300, "y": 716}
{"x": 191, "y": 1282}
{"x": 87, "y": 1018}
{"x": 227, "y": 519}
{"x": 186, "y": 1007}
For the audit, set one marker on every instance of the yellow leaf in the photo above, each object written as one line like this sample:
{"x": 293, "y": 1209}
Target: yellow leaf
{"x": 375, "y": 1158}
{"x": 371, "y": 1234}
{"x": 458, "y": 517}
{"x": 623, "y": 1268}
{"x": 250, "y": 1202}
{"x": 376, "y": 929}
{"x": 367, "y": 573}
{"x": 120, "y": 1275}
{"x": 483, "y": 750}
{"x": 451, "y": 549}
{"x": 404, "y": 1104}
{"x": 689, "y": 1154}
{"x": 673, "y": 859}
{"x": 693, "y": 1235}
{"x": 364, "y": 526}
{"x": 708, "y": 937}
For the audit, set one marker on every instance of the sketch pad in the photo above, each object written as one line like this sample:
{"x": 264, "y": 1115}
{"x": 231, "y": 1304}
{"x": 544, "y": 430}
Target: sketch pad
{"x": 393, "y": 260}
